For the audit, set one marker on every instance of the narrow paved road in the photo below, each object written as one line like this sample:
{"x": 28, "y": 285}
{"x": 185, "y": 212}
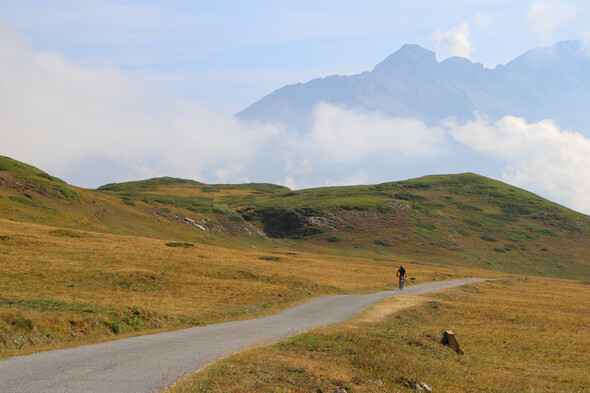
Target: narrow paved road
{"x": 150, "y": 363}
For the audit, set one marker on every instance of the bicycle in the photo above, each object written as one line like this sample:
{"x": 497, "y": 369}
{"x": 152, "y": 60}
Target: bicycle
{"x": 402, "y": 282}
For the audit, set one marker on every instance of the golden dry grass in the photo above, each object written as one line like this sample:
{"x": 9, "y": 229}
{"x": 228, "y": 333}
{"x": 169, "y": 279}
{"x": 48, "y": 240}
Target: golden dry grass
{"x": 384, "y": 309}
{"x": 216, "y": 196}
{"x": 63, "y": 287}
{"x": 519, "y": 335}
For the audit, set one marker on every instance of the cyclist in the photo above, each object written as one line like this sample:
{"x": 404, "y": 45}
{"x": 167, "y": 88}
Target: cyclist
{"x": 401, "y": 274}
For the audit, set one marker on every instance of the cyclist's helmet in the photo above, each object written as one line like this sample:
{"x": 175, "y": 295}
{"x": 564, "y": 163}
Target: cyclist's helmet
{"x": 401, "y": 267}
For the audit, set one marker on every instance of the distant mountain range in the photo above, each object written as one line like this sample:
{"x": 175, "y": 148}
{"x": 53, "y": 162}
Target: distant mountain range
{"x": 552, "y": 82}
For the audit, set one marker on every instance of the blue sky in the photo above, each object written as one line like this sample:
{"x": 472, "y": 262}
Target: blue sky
{"x": 104, "y": 91}
{"x": 229, "y": 54}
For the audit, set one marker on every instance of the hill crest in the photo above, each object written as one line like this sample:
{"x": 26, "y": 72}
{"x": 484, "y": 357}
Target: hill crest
{"x": 463, "y": 219}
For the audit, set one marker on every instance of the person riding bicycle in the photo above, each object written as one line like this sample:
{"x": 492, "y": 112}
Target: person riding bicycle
{"x": 401, "y": 274}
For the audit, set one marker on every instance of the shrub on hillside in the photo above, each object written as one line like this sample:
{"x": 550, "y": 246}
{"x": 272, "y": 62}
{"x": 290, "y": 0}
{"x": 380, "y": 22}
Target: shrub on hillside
{"x": 44, "y": 175}
{"x": 22, "y": 200}
{"x": 426, "y": 225}
{"x": 466, "y": 207}
{"x": 128, "y": 201}
{"x": 5, "y": 165}
{"x": 270, "y": 258}
{"x": 66, "y": 233}
{"x": 408, "y": 196}
{"x": 488, "y": 238}
{"x": 179, "y": 244}
{"x": 463, "y": 232}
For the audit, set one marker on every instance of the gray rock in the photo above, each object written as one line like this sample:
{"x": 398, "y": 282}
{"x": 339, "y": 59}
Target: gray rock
{"x": 377, "y": 382}
{"x": 450, "y": 340}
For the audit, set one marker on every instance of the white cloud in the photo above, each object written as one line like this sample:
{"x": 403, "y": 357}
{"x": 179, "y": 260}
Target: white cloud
{"x": 57, "y": 116}
{"x": 93, "y": 126}
{"x": 359, "y": 177}
{"x": 455, "y": 41}
{"x": 539, "y": 156}
{"x": 546, "y": 16}
{"x": 348, "y": 135}
{"x": 299, "y": 165}
{"x": 291, "y": 183}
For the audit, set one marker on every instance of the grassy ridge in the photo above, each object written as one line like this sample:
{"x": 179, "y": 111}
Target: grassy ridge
{"x": 28, "y": 178}
{"x": 466, "y": 220}
{"x": 80, "y": 266}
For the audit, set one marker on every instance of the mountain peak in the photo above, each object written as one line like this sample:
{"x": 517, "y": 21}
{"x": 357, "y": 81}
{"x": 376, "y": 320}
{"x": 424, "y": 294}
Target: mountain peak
{"x": 551, "y": 82}
{"x": 562, "y": 52}
{"x": 409, "y": 55}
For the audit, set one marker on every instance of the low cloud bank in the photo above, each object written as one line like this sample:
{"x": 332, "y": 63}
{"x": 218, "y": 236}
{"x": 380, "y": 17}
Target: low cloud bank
{"x": 64, "y": 118}
{"x": 539, "y": 157}
{"x": 345, "y": 135}
{"x": 92, "y": 127}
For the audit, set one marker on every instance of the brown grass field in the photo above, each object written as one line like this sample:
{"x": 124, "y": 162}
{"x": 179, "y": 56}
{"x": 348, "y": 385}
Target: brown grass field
{"x": 518, "y": 334}
{"x": 63, "y": 287}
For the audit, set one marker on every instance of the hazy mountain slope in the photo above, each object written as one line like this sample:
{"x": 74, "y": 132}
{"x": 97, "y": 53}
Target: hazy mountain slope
{"x": 542, "y": 83}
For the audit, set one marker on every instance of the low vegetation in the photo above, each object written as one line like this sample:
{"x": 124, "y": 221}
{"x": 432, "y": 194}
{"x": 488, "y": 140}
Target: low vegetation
{"x": 62, "y": 288}
{"x": 518, "y": 335}
{"x": 30, "y": 179}
{"x": 179, "y": 244}
{"x": 79, "y": 266}
{"x": 461, "y": 220}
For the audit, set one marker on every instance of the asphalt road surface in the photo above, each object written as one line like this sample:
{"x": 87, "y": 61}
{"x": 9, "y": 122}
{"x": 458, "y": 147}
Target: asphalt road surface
{"x": 151, "y": 363}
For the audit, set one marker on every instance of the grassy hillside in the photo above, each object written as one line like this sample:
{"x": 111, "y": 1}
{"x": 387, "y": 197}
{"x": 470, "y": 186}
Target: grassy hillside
{"x": 464, "y": 220}
{"x": 79, "y": 266}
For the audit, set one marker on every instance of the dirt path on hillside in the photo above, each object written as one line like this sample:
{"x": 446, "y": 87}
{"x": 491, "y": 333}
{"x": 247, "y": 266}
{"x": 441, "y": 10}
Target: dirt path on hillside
{"x": 151, "y": 363}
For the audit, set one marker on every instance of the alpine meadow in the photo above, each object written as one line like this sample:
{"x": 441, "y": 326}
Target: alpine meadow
{"x": 83, "y": 266}
{"x": 295, "y": 197}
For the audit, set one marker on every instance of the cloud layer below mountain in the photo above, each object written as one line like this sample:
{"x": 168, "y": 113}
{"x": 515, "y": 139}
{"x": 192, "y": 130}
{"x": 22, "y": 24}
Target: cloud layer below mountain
{"x": 94, "y": 126}
{"x": 91, "y": 126}
{"x": 539, "y": 157}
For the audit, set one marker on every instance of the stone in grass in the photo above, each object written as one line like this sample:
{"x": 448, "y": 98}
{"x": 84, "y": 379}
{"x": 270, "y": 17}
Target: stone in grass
{"x": 450, "y": 340}
{"x": 418, "y": 386}
{"x": 377, "y": 382}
